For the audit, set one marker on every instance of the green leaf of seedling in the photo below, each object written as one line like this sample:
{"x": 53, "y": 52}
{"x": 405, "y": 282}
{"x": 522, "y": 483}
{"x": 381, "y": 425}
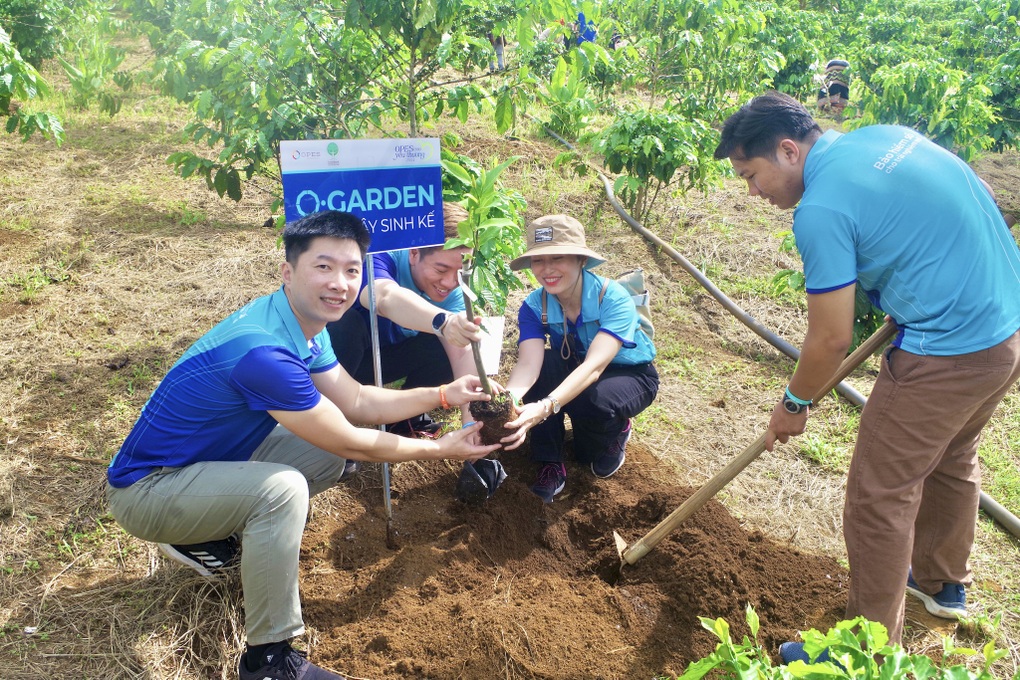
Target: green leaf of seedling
{"x": 752, "y": 620}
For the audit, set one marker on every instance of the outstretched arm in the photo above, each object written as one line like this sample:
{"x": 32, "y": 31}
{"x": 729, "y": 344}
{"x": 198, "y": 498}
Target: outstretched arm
{"x": 829, "y": 334}
{"x": 325, "y": 426}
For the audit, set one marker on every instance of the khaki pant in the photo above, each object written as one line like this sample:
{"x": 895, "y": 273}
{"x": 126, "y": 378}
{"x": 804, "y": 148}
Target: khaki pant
{"x": 263, "y": 500}
{"x": 914, "y": 482}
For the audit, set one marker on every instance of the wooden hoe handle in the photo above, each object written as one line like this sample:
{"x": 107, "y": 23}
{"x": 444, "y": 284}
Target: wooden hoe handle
{"x": 635, "y": 552}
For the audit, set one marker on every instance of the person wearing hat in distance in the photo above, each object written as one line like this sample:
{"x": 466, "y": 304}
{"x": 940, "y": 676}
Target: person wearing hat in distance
{"x": 597, "y": 369}
{"x": 424, "y": 335}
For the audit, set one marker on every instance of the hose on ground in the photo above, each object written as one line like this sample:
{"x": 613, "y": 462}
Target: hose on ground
{"x": 992, "y": 508}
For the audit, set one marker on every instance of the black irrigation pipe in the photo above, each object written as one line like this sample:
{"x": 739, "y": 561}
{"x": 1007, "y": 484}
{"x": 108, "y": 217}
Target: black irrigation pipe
{"x": 991, "y": 507}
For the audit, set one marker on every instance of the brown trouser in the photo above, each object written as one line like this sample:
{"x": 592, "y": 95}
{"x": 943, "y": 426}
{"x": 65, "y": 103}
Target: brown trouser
{"x": 914, "y": 483}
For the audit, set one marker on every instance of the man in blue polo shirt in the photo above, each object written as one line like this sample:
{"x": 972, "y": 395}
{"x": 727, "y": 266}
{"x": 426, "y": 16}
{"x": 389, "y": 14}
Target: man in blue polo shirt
{"x": 252, "y": 420}
{"x": 424, "y": 335}
{"x": 885, "y": 209}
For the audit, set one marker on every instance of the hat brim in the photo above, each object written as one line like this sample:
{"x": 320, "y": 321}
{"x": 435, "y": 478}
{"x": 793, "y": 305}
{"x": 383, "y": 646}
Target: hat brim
{"x": 524, "y": 261}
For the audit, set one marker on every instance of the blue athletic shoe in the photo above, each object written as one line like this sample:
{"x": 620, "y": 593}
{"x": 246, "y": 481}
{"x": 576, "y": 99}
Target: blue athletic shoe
{"x": 608, "y": 463}
{"x": 948, "y": 603}
{"x": 794, "y": 651}
{"x": 552, "y": 477}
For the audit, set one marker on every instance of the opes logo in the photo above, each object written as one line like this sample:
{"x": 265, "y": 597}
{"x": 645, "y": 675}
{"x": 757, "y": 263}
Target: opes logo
{"x": 413, "y": 152}
{"x": 297, "y": 154}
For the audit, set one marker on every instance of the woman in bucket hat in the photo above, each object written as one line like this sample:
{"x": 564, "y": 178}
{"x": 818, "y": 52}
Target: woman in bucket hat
{"x": 598, "y": 366}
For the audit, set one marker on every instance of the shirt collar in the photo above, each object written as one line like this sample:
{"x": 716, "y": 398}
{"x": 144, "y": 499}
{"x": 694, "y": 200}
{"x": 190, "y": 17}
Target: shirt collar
{"x": 818, "y": 150}
{"x": 591, "y": 287}
{"x": 296, "y": 337}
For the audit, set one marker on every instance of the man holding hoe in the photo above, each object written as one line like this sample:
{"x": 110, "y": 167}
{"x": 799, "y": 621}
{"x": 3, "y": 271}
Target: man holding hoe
{"x": 886, "y": 209}
{"x": 255, "y": 418}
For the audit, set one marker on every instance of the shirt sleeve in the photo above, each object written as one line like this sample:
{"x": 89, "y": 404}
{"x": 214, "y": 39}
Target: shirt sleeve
{"x": 826, "y": 242}
{"x": 272, "y": 378}
{"x": 618, "y": 315}
{"x": 530, "y": 324}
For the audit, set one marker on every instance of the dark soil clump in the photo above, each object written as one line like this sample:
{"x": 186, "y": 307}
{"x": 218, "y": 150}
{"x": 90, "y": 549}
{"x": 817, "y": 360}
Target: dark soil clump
{"x": 493, "y": 415}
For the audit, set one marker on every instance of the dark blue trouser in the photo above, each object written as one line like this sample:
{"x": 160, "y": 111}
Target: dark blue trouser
{"x": 597, "y": 416}
{"x": 420, "y": 359}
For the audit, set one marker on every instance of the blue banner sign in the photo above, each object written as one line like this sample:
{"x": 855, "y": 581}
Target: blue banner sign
{"x": 394, "y": 185}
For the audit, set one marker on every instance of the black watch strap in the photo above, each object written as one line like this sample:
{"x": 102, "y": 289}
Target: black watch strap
{"x": 793, "y": 407}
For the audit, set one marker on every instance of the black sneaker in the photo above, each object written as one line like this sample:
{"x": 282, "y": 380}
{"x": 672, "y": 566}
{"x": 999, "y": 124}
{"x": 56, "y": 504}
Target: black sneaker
{"x": 208, "y": 559}
{"x": 351, "y": 469}
{"x": 609, "y": 462}
{"x": 283, "y": 662}
{"x": 552, "y": 477}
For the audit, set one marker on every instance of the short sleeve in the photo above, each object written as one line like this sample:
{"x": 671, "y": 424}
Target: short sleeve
{"x": 272, "y": 378}
{"x": 826, "y": 242}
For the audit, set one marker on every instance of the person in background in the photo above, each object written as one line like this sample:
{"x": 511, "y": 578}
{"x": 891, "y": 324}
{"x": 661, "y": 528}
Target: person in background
{"x": 888, "y": 210}
{"x": 834, "y": 95}
{"x": 254, "y": 419}
{"x": 424, "y": 336}
{"x": 498, "y": 47}
{"x": 585, "y": 30}
{"x": 598, "y": 368}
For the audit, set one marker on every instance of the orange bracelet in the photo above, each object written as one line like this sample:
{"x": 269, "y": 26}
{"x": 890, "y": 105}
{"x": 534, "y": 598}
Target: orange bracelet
{"x": 442, "y": 397}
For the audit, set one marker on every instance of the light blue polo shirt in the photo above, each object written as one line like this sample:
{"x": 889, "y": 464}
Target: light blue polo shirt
{"x": 212, "y": 405}
{"x": 912, "y": 224}
{"x": 395, "y": 266}
{"x": 615, "y": 315}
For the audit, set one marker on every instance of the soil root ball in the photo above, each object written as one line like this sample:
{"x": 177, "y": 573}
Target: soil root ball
{"x": 493, "y": 415}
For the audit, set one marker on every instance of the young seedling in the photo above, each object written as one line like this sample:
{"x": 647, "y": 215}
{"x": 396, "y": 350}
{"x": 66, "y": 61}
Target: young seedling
{"x": 493, "y": 239}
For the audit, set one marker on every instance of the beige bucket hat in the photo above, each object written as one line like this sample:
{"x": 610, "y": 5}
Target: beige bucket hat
{"x": 556, "y": 235}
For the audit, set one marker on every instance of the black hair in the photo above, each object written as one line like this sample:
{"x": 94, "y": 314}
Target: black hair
{"x": 757, "y": 128}
{"x": 298, "y": 235}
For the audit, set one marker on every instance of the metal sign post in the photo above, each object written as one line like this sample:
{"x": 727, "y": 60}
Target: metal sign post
{"x": 394, "y": 185}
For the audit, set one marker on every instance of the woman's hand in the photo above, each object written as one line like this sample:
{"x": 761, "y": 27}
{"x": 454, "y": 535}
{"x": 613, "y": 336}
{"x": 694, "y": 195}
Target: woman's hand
{"x": 528, "y": 415}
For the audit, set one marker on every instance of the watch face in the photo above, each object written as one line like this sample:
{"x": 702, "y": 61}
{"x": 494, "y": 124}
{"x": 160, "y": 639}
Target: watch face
{"x": 437, "y": 321}
{"x": 792, "y": 406}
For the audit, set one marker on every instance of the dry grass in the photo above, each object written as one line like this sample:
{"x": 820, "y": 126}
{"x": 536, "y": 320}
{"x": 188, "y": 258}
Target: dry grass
{"x": 112, "y": 267}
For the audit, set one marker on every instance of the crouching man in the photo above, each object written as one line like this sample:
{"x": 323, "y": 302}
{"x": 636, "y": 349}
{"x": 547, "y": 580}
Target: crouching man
{"x": 254, "y": 419}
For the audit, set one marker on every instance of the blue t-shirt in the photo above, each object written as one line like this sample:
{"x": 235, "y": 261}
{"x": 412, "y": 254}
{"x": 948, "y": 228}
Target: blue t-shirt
{"x": 913, "y": 225}
{"x": 212, "y": 405}
{"x": 395, "y": 266}
{"x": 615, "y": 315}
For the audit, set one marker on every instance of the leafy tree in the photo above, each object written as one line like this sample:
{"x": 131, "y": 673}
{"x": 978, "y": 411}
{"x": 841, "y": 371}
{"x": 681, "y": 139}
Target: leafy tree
{"x": 34, "y": 27}
{"x": 942, "y": 103}
{"x": 493, "y": 230}
{"x": 658, "y": 151}
{"x": 20, "y": 81}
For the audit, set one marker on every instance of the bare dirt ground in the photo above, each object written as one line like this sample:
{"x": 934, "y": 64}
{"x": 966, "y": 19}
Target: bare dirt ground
{"x": 112, "y": 267}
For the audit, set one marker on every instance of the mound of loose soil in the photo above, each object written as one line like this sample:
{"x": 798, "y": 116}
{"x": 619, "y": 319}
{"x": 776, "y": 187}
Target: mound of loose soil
{"x": 521, "y": 589}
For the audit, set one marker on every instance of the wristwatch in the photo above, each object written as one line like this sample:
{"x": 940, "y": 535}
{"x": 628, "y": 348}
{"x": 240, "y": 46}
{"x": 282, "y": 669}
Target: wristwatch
{"x": 438, "y": 321}
{"x": 793, "y": 404}
{"x": 554, "y": 404}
